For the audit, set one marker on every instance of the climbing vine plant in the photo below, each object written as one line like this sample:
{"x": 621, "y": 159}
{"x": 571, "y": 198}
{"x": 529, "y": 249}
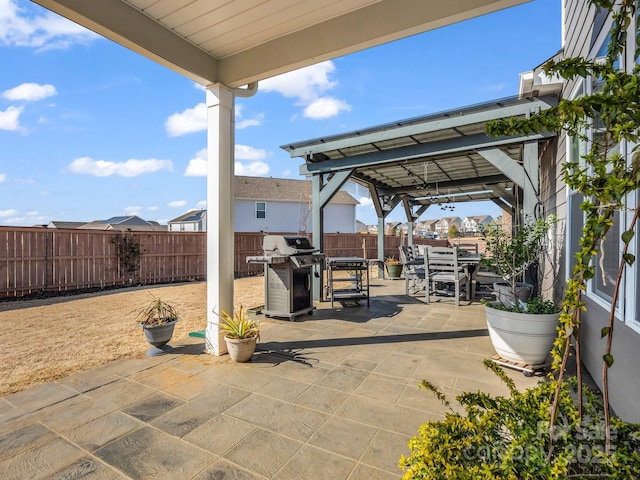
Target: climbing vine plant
{"x": 605, "y": 175}
{"x": 128, "y": 252}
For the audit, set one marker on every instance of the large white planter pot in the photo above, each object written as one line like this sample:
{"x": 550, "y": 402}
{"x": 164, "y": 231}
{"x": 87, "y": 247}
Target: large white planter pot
{"x": 522, "y": 337}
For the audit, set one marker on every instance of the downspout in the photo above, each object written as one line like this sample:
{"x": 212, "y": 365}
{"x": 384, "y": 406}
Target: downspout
{"x": 245, "y": 92}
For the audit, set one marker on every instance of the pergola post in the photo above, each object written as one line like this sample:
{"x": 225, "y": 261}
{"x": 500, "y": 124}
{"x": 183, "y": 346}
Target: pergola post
{"x": 321, "y": 195}
{"x": 317, "y": 227}
{"x": 220, "y": 197}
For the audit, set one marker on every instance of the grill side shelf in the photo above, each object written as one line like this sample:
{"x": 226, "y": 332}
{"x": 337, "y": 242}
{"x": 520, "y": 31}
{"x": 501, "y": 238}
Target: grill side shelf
{"x": 358, "y": 289}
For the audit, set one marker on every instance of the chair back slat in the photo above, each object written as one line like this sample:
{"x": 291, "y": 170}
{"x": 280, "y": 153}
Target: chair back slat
{"x": 441, "y": 258}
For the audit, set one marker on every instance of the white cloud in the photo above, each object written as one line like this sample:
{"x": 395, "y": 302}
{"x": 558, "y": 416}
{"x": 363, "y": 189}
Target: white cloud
{"x": 326, "y": 107}
{"x": 188, "y": 121}
{"x": 177, "y": 203}
{"x": 29, "y": 92}
{"x": 305, "y": 84}
{"x": 20, "y": 27}
{"x": 365, "y": 202}
{"x": 129, "y": 168}
{"x": 132, "y": 210}
{"x": 497, "y": 87}
{"x": 242, "y": 123}
{"x": 202, "y": 204}
{"x": 197, "y": 166}
{"x": 3, "y": 177}
{"x": 252, "y": 169}
{"x": 308, "y": 86}
{"x": 244, "y": 152}
{"x": 8, "y": 213}
{"x": 256, "y": 167}
{"x": 153, "y": 208}
{"x": 10, "y": 118}
{"x": 286, "y": 173}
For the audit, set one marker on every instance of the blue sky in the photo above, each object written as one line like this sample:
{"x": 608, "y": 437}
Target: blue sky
{"x": 90, "y": 130}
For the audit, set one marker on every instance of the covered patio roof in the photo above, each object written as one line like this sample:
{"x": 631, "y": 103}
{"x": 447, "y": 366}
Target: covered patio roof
{"x": 239, "y": 42}
{"x": 440, "y": 158}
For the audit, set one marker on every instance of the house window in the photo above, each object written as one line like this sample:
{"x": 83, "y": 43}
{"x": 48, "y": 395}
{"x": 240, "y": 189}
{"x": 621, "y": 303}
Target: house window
{"x": 576, "y": 222}
{"x": 261, "y": 210}
{"x": 182, "y": 227}
{"x": 607, "y": 259}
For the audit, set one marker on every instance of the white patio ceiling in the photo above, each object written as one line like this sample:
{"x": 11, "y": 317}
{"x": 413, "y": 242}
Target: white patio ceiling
{"x": 236, "y": 42}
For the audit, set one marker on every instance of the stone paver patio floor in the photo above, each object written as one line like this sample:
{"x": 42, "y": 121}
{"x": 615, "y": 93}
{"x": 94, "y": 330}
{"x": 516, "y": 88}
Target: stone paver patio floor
{"x": 331, "y": 396}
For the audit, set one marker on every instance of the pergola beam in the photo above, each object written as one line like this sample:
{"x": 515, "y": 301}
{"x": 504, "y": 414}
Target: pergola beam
{"x": 416, "y": 153}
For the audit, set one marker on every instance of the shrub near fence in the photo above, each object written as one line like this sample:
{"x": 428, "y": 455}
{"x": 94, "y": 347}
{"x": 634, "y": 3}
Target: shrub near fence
{"x": 38, "y": 259}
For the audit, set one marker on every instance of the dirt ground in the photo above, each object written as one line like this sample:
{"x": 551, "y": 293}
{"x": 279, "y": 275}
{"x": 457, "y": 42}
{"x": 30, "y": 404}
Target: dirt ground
{"x": 43, "y": 340}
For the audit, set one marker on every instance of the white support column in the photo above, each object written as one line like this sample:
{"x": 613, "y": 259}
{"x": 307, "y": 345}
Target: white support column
{"x": 220, "y": 197}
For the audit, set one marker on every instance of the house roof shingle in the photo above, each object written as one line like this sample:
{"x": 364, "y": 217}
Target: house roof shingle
{"x": 282, "y": 189}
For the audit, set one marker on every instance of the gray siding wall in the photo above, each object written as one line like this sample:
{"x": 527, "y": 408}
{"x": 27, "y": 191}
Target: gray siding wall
{"x": 624, "y": 376}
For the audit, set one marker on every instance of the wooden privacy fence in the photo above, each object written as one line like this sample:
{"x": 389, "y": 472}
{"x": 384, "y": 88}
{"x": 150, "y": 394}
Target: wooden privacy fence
{"x": 38, "y": 259}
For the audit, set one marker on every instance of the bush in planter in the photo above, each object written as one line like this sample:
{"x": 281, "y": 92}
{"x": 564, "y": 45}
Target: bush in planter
{"x": 509, "y": 256}
{"x": 522, "y": 330}
{"x": 394, "y": 267}
{"x": 509, "y": 438}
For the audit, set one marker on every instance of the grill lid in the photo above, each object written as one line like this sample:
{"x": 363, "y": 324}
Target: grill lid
{"x": 286, "y": 245}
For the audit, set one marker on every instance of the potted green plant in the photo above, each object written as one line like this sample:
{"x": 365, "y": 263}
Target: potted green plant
{"x": 241, "y": 334}
{"x": 158, "y": 319}
{"x": 522, "y": 329}
{"x": 394, "y": 267}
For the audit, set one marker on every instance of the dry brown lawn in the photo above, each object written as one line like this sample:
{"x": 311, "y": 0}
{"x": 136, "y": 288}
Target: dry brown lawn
{"x": 43, "y": 340}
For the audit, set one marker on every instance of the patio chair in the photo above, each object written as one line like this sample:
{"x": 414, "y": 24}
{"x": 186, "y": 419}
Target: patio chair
{"x": 414, "y": 277}
{"x": 441, "y": 266}
{"x": 471, "y": 248}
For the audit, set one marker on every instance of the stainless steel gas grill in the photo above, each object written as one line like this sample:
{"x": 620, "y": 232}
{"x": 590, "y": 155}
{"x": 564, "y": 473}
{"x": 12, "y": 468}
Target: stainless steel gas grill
{"x": 288, "y": 269}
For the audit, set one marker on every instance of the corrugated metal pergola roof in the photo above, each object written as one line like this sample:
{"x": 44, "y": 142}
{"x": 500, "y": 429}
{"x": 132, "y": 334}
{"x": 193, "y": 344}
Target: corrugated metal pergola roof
{"x": 439, "y": 158}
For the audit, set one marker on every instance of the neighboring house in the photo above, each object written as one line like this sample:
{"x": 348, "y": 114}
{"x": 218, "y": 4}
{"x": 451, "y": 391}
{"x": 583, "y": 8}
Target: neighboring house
{"x": 265, "y": 204}
{"x": 63, "y": 224}
{"x": 444, "y": 224}
{"x": 127, "y": 222}
{"x": 392, "y": 228}
{"x": 473, "y": 225}
{"x": 192, "y": 221}
{"x": 586, "y": 35}
{"x": 360, "y": 227}
{"x": 426, "y": 228}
